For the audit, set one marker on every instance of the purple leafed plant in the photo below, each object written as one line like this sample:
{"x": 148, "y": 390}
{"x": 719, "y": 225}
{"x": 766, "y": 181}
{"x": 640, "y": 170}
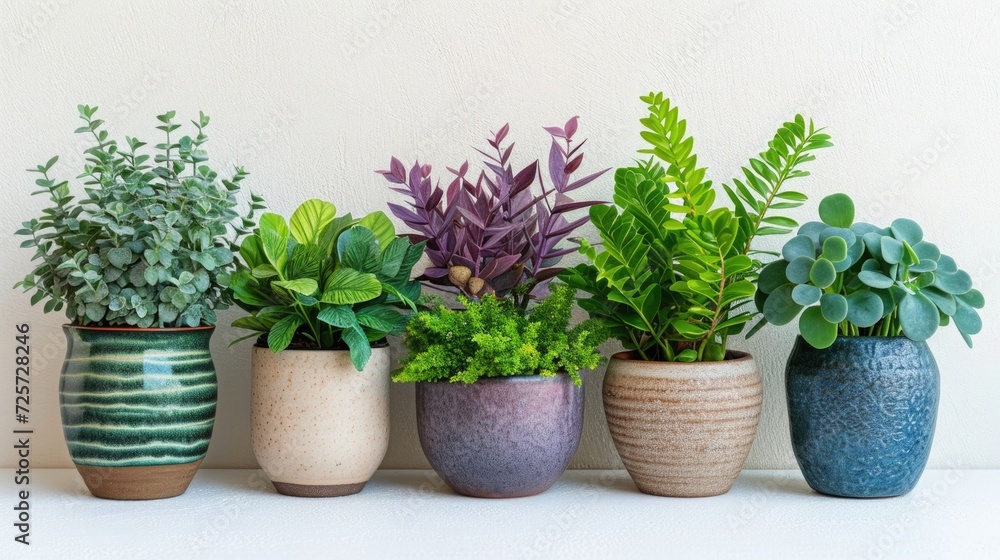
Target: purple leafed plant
{"x": 495, "y": 234}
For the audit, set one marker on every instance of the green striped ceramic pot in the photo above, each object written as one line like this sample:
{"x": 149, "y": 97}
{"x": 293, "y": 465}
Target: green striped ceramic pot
{"x": 138, "y": 406}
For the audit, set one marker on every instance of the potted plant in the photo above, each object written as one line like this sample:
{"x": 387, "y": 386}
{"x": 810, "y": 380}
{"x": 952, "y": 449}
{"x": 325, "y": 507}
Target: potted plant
{"x": 862, "y": 384}
{"x": 323, "y": 293}
{"x": 137, "y": 261}
{"x": 499, "y": 401}
{"x": 669, "y": 280}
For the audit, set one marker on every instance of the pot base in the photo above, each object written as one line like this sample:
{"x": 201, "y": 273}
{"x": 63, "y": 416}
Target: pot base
{"x": 138, "y": 483}
{"x": 685, "y": 488}
{"x": 317, "y": 490}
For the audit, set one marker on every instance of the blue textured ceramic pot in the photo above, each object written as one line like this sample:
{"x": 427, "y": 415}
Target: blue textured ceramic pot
{"x": 138, "y": 407}
{"x": 862, "y": 414}
{"x": 503, "y": 437}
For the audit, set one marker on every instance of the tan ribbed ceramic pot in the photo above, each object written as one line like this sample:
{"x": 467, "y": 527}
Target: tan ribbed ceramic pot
{"x": 683, "y": 429}
{"x": 319, "y": 427}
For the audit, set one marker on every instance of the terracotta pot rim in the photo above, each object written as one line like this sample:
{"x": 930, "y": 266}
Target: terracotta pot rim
{"x": 740, "y": 356}
{"x": 138, "y": 329}
{"x": 536, "y": 378}
{"x": 384, "y": 345}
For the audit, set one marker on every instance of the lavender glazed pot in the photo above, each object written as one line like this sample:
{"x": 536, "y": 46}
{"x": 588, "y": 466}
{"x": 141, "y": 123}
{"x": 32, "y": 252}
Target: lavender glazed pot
{"x": 503, "y": 437}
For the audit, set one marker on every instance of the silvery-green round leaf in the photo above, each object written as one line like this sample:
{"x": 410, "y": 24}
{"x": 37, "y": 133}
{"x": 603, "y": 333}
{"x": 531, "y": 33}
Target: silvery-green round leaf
{"x": 844, "y": 233}
{"x": 812, "y": 230}
{"x": 799, "y": 246}
{"x": 798, "y": 270}
{"x": 862, "y": 228}
{"x": 837, "y": 210}
{"x": 822, "y": 274}
{"x": 967, "y": 319}
{"x": 974, "y": 298}
{"x": 956, "y": 283}
{"x": 923, "y": 280}
{"x": 875, "y": 279}
{"x": 805, "y": 294}
{"x": 873, "y": 242}
{"x": 925, "y": 265}
{"x": 918, "y": 316}
{"x": 892, "y": 250}
{"x": 834, "y": 307}
{"x": 907, "y": 230}
{"x": 841, "y": 266}
{"x": 947, "y": 265}
{"x": 772, "y": 276}
{"x": 864, "y": 308}
{"x": 780, "y": 308}
{"x": 816, "y": 330}
{"x": 835, "y": 249}
{"x": 856, "y": 251}
{"x": 927, "y": 250}
{"x": 888, "y": 302}
{"x": 944, "y": 301}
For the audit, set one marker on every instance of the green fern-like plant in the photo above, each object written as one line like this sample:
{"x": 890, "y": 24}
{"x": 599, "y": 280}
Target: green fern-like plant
{"x": 674, "y": 271}
{"x": 493, "y": 337}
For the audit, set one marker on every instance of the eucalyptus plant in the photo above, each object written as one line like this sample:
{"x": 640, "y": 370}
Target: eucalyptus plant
{"x": 148, "y": 243}
{"x": 325, "y": 281}
{"x": 842, "y": 278}
{"x": 673, "y": 270}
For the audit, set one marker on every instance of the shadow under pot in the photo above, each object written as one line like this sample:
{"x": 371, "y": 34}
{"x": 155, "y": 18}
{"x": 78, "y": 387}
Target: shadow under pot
{"x": 862, "y": 414}
{"x": 137, "y": 407}
{"x": 500, "y": 437}
{"x": 318, "y": 426}
{"x": 683, "y": 429}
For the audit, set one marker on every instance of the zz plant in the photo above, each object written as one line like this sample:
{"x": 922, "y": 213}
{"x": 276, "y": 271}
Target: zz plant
{"x": 842, "y": 278}
{"x": 323, "y": 281}
{"x": 148, "y": 243}
{"x": 673, "y": 270}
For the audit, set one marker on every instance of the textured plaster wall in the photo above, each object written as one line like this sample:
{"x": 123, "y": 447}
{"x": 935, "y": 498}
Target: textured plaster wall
{"x": 313, "y": 96}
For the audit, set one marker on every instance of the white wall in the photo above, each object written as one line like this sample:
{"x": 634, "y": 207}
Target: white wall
{"x": 313, "y": 96}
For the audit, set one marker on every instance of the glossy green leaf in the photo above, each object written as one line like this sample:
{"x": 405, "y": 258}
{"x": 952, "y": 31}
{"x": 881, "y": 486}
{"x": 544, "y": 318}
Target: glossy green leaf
{"x": 310, "y": 218}
{"x": 358, "y": 248}
{"x": 304, "y": 286}
{"x": 805, "y": 294}
{"x": 875, "y": 279}
{"x": 798, "y": 270}
{"x": 973, "y": 298}
{"x": 282, "y": 332}
{"x": 780, "y": 308}
{"x": 822, "y": 273}
{"x": 835, "y": 249}
{"x": 834, "y": 307}
{"x": 918, "y": 316}
{"x": 907, "y": 230}
{"x": 967, "y": 319}
{"x": 381, "y": 226}
{"x": 837, "y": 210}
{"x": 799, "y": 246}
{"x": 864, "y": 308}
{"x": 956, "y": 283}
{"x": 772, "y": 276}
{"x": 348, "y": 286}
{"x": 816, "y": 330}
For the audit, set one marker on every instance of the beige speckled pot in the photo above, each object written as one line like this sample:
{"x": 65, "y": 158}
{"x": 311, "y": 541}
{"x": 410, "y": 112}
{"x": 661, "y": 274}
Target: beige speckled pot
{"x": 318, "y": 426}
{"x": 683, "y": 430}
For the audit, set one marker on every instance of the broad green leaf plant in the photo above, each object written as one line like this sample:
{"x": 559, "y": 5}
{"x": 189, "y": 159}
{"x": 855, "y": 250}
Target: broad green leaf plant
{"x": 842, "y": 278}
{"x": 148, "y": 243}
{"x": 674, "y": 270}
{"x": 325, "y": 281}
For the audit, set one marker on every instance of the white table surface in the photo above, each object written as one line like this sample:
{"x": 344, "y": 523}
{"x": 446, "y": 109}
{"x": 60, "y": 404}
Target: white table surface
{"x": 587, "y": 514}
